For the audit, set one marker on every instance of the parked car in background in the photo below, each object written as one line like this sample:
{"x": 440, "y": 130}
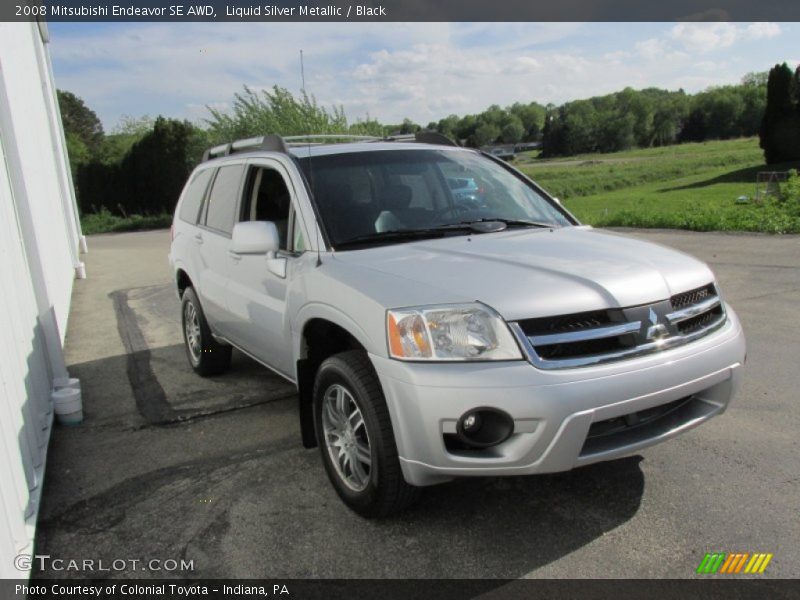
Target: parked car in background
{"x": 466, "y": 191}
{"x": 432, "y": 338}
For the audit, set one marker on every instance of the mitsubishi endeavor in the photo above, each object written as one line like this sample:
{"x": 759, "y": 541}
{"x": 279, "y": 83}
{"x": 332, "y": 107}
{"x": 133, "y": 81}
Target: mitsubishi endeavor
{"x": 434, "y": 335}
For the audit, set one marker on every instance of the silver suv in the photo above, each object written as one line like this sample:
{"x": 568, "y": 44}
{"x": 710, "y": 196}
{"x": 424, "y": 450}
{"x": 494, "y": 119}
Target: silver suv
{"x": 432, "y": 337}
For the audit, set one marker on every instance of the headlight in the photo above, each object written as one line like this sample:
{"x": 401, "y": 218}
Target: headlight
{"x": 449, "y": 332}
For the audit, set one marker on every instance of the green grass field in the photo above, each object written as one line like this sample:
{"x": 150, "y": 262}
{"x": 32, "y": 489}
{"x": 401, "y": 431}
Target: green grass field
{"x": 688, "y": 186}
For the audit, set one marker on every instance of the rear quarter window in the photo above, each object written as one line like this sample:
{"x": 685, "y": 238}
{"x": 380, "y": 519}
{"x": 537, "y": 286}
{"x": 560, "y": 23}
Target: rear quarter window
{"x": 193, "y": 198}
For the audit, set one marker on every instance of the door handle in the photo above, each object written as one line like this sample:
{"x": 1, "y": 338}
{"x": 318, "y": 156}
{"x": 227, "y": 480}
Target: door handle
{"x": 198, "y": 238}
{"x": 234, "y": 256}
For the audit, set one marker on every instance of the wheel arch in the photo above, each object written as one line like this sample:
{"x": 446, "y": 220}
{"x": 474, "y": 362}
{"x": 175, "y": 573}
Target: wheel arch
{"x": 320, "y": 337}
{"x": 182, "y": 280}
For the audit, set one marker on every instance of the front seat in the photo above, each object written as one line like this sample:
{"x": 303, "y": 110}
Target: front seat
{"x": 397, "y": 199}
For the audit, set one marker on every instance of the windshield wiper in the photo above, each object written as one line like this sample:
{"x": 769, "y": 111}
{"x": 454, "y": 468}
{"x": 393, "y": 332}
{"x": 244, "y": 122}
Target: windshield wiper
{"x": 485, "y": 225}
{"x": 507, "y": 222}
{"x": 396, "y": 235}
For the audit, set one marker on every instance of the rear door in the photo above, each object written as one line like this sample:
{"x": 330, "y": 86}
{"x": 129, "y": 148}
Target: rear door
{"x": 257, "y": 295}
{"x": 185, "y": 249}
{"x": 214, "y": 239}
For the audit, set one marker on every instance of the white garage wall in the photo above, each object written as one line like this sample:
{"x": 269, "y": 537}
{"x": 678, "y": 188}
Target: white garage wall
{"x": 39, "y": 253}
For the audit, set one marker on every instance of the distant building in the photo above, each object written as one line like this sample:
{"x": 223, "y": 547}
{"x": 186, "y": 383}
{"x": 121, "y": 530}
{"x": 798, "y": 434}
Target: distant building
{"x": 508, "y": 151}
{"x": 526, "y": 146}
{"x": 40, "y": 241}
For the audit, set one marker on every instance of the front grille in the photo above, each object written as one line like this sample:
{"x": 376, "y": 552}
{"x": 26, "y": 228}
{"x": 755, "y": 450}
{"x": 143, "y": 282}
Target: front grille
{"x": 587, "y": 338}
{"x": 584, "y": 348}
{"x": 644, "y": 427}
{"x": 694, "y": 296}
{"x": 701, "y": 321}
{"x": 572, "y": 322}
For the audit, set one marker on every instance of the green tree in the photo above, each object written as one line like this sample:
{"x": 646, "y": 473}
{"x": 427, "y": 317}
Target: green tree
{"x": 78, "y": 153}
{"x": 83, "y": 131}
{"x": 486, "y": 133}
{"x": 755, "y": 79}
{"x": 273, "y": 111}
{"x": 79, "y": 120}
{"x": 532, "y": 118}
{"x": 780, "y": 126}
{"x": 149, "y": 177}
{"x": 512, "y": 131}
{"x": 155, "y": 169}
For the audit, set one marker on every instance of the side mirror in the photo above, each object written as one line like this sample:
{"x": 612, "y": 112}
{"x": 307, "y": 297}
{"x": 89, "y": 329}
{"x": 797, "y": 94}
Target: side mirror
{"x": 255, "y": 237}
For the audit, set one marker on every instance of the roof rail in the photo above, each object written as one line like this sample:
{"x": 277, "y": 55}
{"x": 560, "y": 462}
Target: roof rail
{"x": 276, "y": 143}
{"x": 302, "y": 140}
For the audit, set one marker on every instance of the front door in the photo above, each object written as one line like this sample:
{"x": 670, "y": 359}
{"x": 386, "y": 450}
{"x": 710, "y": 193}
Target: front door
{"x": 256, "y": 298}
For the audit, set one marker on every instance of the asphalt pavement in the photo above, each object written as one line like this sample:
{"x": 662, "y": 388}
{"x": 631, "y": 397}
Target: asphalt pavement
{"x": 168, "y": 465}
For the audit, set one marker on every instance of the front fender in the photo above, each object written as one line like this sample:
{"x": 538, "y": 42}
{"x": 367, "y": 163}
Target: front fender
{"x": 319, "y": 310}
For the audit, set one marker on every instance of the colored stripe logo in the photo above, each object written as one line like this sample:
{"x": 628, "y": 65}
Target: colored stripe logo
{"x": 734, "y": 562}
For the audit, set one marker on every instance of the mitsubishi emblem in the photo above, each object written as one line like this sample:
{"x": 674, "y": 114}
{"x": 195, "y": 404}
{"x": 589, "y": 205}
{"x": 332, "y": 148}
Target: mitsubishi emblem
{"x": 656, "y": 330}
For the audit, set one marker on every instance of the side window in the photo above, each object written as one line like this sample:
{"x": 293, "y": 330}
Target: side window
{"x": 221, "y": 211}
{"x": 267, "y": 198}
{"x": 193, "y": 199}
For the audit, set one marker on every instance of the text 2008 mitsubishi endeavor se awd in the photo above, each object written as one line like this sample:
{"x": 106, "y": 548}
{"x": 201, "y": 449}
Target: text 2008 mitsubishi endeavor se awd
{"x": 433, "y": 334}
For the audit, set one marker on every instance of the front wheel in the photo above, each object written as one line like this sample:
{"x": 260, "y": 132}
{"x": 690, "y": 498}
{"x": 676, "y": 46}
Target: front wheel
{"x": 355, "y": 436}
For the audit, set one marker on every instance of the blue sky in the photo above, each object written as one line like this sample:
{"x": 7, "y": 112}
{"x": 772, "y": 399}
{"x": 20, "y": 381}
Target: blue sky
{"x": 389, "y": 71}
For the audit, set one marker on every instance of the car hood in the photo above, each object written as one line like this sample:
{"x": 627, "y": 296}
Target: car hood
{"x": 534, "y": 272}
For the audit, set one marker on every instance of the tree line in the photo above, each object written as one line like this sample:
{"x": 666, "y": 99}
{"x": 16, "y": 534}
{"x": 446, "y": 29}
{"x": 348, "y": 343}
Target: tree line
{"x": 653, "y": 117}
{"x": 141, "y": 166}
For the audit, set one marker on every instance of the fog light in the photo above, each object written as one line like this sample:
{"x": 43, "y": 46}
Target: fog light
{"x": 471, "y": 422}
{"x": 484, "y": 427}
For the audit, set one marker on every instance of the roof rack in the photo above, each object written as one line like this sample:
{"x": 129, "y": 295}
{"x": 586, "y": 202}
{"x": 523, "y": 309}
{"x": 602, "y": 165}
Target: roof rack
{"x": 276, "y": 143}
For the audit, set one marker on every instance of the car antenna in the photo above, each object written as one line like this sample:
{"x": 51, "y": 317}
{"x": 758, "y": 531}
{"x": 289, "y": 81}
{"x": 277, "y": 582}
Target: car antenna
{"x": 310, "y": 168}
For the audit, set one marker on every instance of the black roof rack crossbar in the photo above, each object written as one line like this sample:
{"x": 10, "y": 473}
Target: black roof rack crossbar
{"x": 434, "y": 137}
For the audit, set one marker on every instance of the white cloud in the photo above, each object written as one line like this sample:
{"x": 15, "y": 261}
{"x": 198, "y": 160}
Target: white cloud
{"x": 758, "y": 31}
{"x": 703, "y": 38}
{"x": 651, "y": 48}
{"x": 424, "y": 71}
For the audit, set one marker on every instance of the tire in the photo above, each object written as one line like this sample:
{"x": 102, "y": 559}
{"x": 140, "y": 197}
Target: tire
{"x": 207, "y": 356}
{"x": 377, "y": 489}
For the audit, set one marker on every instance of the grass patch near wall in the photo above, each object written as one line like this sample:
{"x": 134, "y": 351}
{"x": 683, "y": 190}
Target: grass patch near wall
{"x": 106, "y": 222}
{"x": 688, "y": 186}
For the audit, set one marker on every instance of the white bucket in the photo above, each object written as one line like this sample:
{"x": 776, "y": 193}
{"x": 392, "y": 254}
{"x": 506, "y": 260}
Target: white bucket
{"x": 67, "y": 382}
{"x": 68, "y": 406}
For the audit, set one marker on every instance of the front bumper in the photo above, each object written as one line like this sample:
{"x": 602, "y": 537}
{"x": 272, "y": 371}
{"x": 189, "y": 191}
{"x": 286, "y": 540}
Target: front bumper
{"x": 554, "y": 410}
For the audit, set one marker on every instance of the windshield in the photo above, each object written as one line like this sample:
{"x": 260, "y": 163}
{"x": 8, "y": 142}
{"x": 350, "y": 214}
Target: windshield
{"x": 365, "y": 194}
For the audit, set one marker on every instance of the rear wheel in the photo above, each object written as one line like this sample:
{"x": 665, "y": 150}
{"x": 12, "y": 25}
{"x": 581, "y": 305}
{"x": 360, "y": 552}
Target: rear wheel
{"x": 206, "y": 355}
{"x": 355, "y": 437}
